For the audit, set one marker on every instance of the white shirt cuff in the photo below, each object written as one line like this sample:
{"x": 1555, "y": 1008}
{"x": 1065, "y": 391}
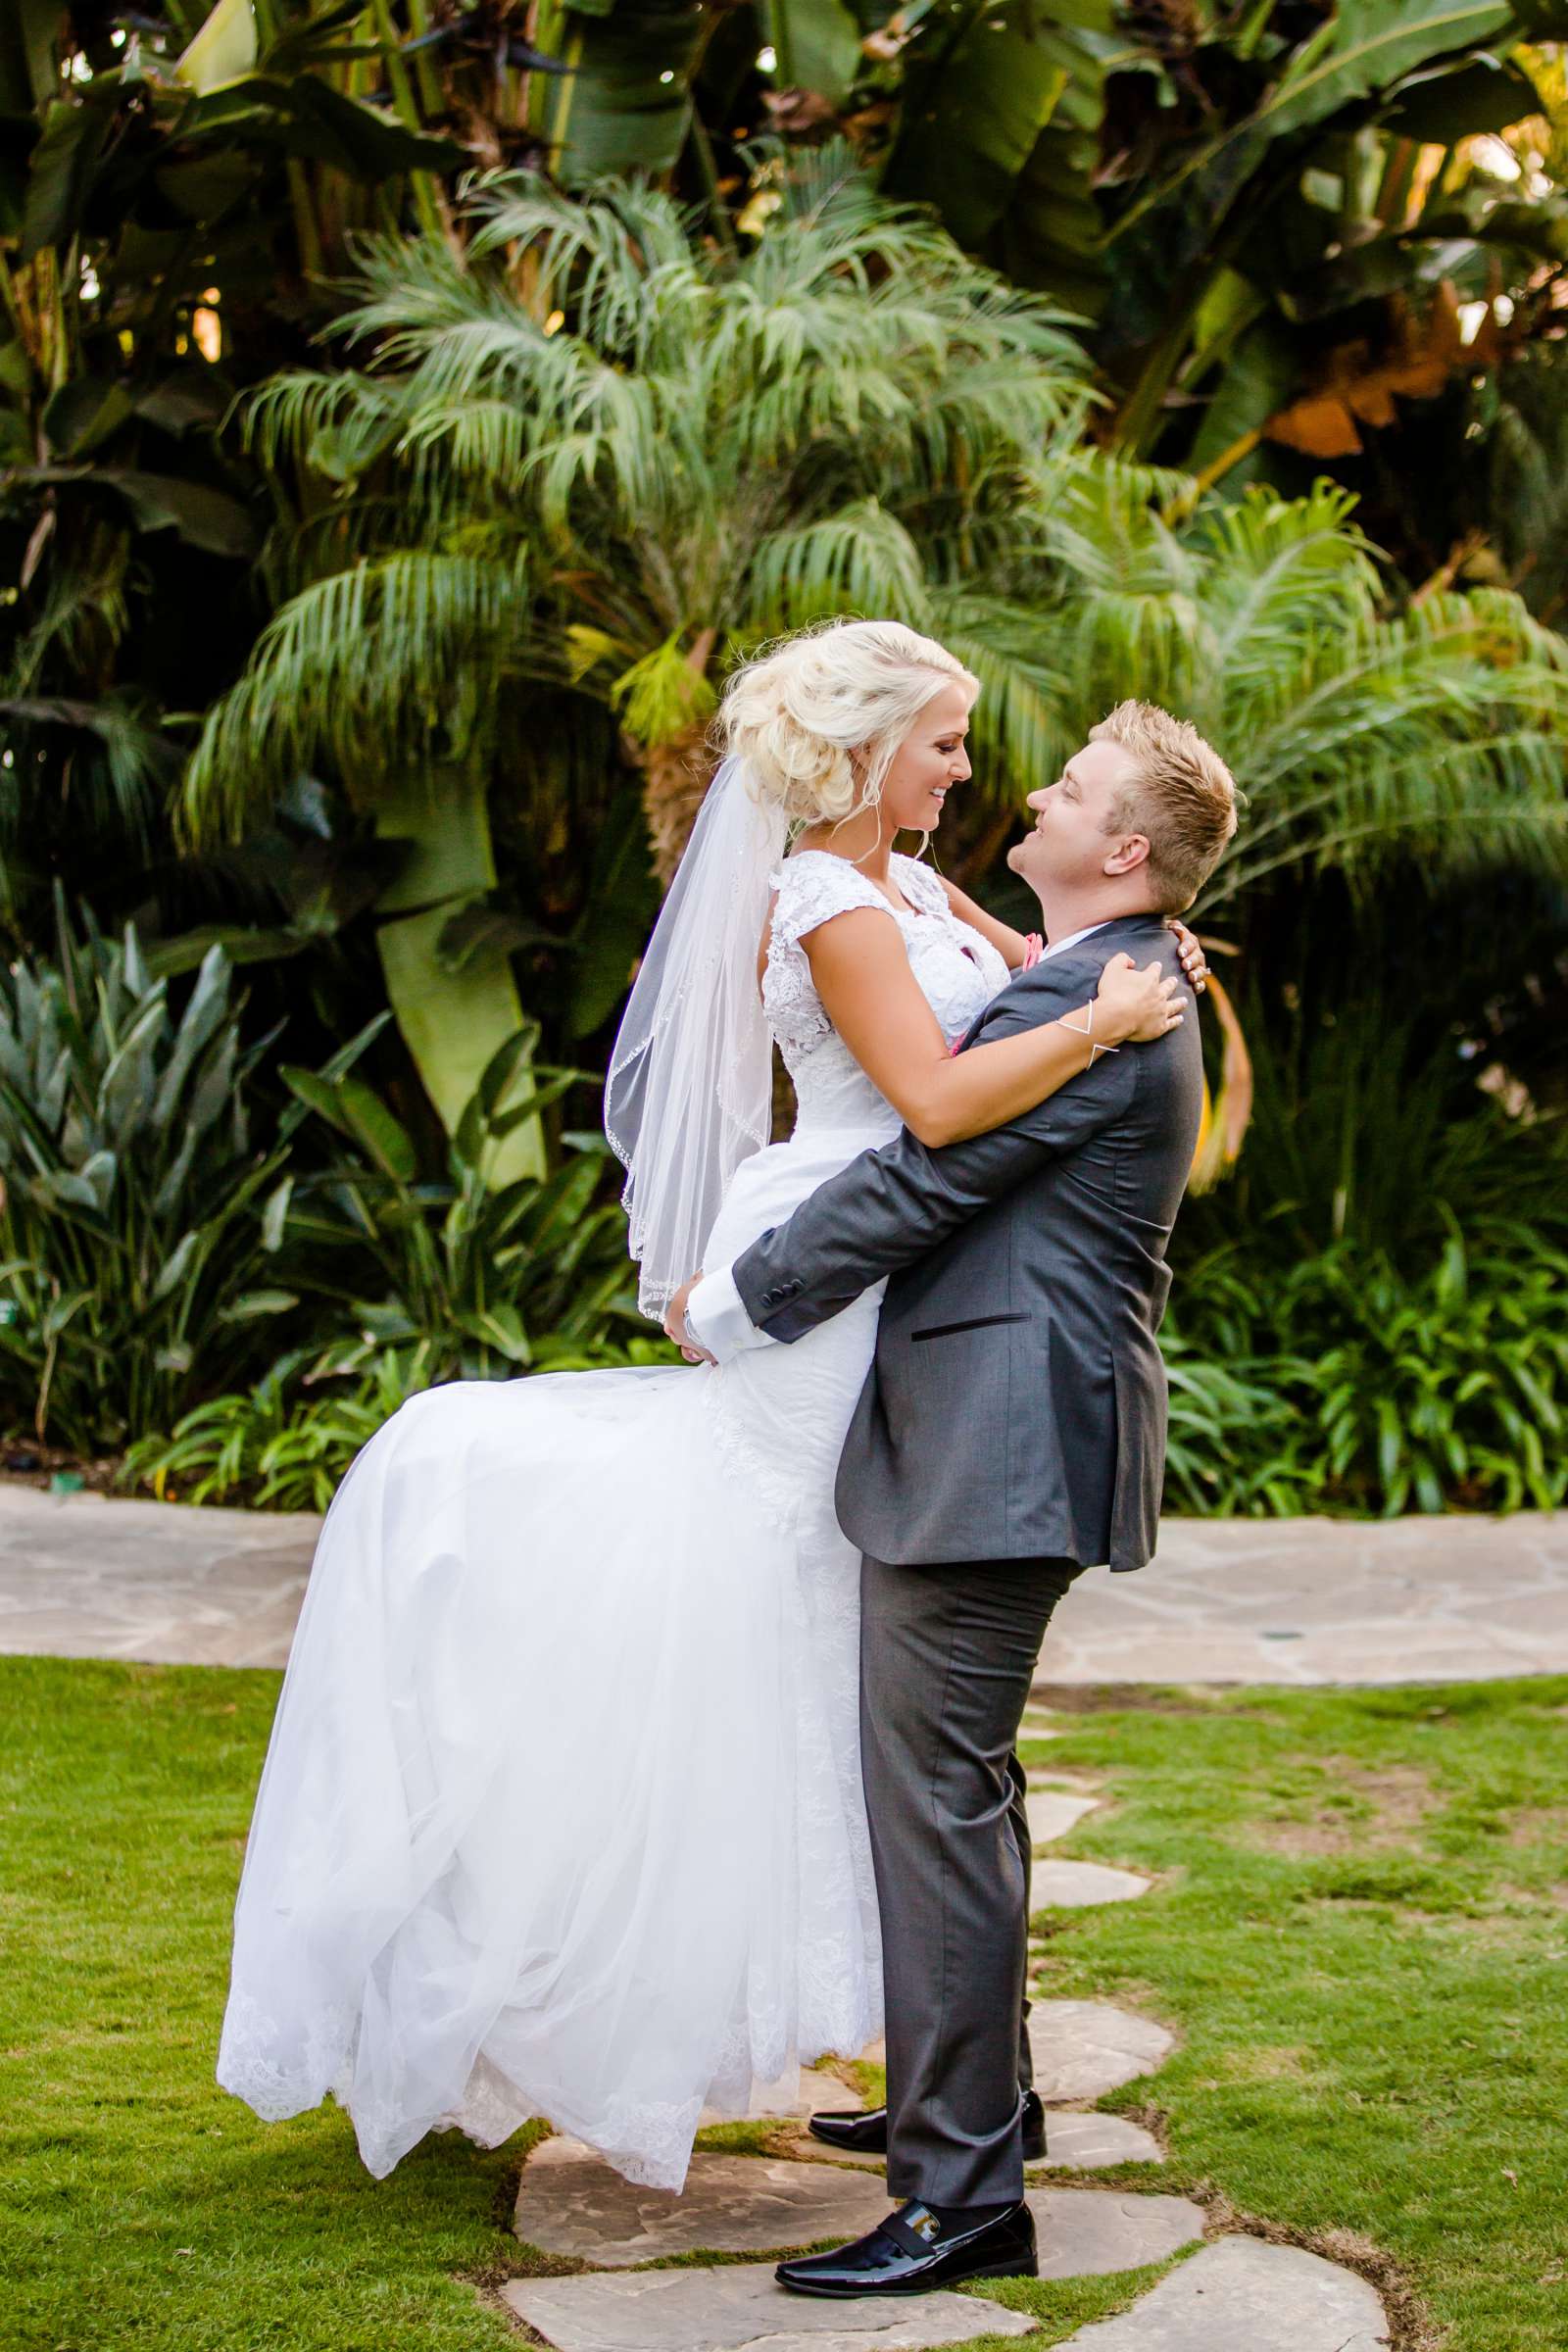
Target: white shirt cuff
{"x": 718, "y": 1321}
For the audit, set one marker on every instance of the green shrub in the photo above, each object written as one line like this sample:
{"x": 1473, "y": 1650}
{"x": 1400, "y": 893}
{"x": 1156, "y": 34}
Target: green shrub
{"x": 284, "y": 1446}
{"x": 425, "y": 1280}
{"x": 1368, "y": 1126}
{"x": 269, "y": 1445}
{"x": 1340, "y": 1382}
{"x": 131, "y": 1261}
{"x": 454, "y": 1278}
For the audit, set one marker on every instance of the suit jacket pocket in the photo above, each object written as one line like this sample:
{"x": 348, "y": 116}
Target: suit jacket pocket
{"x": 946, "y": 1331}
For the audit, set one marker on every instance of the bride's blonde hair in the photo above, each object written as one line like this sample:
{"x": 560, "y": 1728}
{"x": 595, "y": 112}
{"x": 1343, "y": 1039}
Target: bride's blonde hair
{"x": 799, "y": 712}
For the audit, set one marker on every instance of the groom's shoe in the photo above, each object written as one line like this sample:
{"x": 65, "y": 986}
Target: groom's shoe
{"x": 917, "y": 2250}
{"x": 868, "y": 2134}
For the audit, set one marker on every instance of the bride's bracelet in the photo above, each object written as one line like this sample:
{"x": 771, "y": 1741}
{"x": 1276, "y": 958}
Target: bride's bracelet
{"x": 1088, "y": 1030}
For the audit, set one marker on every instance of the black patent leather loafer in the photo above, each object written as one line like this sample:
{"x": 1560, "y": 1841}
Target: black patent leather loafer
{"x": 868, "y": 2134}
{"x": 914, "y": 2251}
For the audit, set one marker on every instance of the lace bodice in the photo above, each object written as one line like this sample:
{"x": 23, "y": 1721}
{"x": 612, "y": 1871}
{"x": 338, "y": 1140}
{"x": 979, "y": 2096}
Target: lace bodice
{"x": 957, "y": 970}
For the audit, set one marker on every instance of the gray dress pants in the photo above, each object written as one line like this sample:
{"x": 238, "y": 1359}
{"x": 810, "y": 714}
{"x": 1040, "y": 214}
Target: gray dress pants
{"x": 947, "y": 1655}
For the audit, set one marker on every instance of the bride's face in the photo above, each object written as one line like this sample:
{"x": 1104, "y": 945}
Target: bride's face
{"x": 928, "y": 762}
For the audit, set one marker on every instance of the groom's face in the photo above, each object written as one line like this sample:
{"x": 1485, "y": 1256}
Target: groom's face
{"x": 1072, "y": 844}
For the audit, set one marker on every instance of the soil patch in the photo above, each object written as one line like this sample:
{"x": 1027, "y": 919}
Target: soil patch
{"x": 1143, "y": 1698}
{"x": 1364, "y": 1809}
{"x": 1539, "y": 1825}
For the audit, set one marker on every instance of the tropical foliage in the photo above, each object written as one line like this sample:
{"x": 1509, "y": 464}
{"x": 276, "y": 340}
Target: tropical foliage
{"x": 1373, "y": 1315}
{"x": 455, "y": 1275}
{"x": 129, "y": 1274}
{"x": 1282, "y": 223}
{"x": 587, "y": 453}
{"x": 164, "y": 202}
{"x": 587, "y": 460}
{"x": 1360, "y": 728}
{"x": 1339, "y": 1384}
{"x": 408, "y": 415}
{"x": 266, "y": 1446}
{"x": 155, "y": 1248}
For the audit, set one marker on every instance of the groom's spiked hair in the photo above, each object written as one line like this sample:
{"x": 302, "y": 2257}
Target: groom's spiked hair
{"x": 1183, "y": 798}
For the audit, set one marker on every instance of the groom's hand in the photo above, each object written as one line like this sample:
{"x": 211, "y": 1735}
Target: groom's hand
{"x": 676, "y": 1323}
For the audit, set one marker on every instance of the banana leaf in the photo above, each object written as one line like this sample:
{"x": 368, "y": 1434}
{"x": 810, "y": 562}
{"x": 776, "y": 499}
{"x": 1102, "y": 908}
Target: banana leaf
{"x": 223, "y": 49}
{"x": 308, "y": 118}
{"x": 623, "y": 104}
{"x": 454, "y": 1020}
{"x": 818, "y": 47}
{"x": 27, "y": 29}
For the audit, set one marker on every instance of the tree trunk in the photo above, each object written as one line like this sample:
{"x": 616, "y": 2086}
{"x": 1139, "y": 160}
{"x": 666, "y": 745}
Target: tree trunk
{"x": 675, "y": 776}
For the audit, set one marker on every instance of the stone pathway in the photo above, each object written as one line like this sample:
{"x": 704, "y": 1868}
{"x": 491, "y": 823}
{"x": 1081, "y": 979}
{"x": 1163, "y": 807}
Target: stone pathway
{"x": 1284, "y": 1600}
{"x": 740, "y": 2309}
{"x": 1240, "y": 2295}
{"x": 81, "y": 1577}
{"x": 571, "y": 2202}
{"x": 1068, "y": 1886}
{"x": 1324, "y": 1601}
{"x": 1083, "y": 2049}
{"x": 1053, "y": 1812}
{"x": 1233, "y": 2294}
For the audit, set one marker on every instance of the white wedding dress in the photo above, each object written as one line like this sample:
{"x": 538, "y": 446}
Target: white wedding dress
{"x": 561, "y": 1814}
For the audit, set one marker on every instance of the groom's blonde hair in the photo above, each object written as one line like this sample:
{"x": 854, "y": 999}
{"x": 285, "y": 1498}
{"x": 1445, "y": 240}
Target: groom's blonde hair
{"x": 799, "y": 712}
{"x": 1182, "y": 799}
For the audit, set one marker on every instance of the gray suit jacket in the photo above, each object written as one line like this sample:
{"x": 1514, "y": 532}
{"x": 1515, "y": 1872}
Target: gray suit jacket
{"x": 1016, "y": 1407}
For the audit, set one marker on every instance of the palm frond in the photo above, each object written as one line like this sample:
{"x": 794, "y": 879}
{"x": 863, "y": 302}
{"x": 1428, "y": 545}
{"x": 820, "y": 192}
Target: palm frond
{"x": 858, "y": 561}
{"x": 373, "y": 670}
{"x": 592, "y": 441}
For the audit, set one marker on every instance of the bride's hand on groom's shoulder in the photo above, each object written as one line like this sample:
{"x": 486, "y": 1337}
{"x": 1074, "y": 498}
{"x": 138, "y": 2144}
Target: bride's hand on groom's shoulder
{"x": 1134, "y": 1003}
{"x": 676, "y": 1323}
{"x": 1195, "y": 964}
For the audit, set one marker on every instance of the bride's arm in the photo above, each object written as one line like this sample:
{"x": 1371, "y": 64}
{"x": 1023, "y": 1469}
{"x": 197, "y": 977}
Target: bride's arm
{"x": 874, "y": 1001}
{"x": 1014, "y": 948}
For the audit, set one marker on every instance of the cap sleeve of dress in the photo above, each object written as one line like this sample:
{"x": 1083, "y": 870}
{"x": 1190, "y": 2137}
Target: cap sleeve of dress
{"x": 812, "y": 887}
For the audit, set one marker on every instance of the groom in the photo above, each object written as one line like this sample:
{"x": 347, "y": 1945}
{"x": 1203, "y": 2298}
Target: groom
{"x": 1012, "y": 1431}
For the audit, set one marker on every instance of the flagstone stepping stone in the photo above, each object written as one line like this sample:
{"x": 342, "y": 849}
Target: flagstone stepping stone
{"x": 1084, "y": 2048}
{"x": 742, "y": 2308}
{"x": 1090, "y": 2232}
{"x": 1075, "y": 1885}
{"x": 1238, "y": 2295}
{"x": 571, "y": 2202}
{"x": 1081, "y": 2143}
{"x": 1053, "y": 1812}
{"x": 1037, "y": 1777}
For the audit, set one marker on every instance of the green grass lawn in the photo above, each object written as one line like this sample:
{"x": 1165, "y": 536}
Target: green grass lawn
{"x": 1360, "y": 1934}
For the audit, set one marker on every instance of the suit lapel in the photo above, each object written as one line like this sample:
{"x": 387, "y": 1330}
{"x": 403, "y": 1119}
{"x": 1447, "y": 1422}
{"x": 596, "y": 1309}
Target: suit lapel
{"x": 1122, "y": 933}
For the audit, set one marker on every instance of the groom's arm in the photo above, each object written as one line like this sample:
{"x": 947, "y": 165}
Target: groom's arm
{"x": 890, "y": 1207}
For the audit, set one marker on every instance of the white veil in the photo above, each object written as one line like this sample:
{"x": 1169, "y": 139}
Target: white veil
{"x": 689, "y": 1094}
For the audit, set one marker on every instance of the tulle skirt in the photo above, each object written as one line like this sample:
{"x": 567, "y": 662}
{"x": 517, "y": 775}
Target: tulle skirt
{"x": 561, "y": 1814}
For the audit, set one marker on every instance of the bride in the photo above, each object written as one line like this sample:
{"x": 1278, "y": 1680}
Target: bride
{"x": 562, "y": 1815}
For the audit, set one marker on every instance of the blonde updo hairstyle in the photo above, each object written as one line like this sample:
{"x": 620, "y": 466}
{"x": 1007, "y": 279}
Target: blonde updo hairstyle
{"x": 819, "y": 718}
